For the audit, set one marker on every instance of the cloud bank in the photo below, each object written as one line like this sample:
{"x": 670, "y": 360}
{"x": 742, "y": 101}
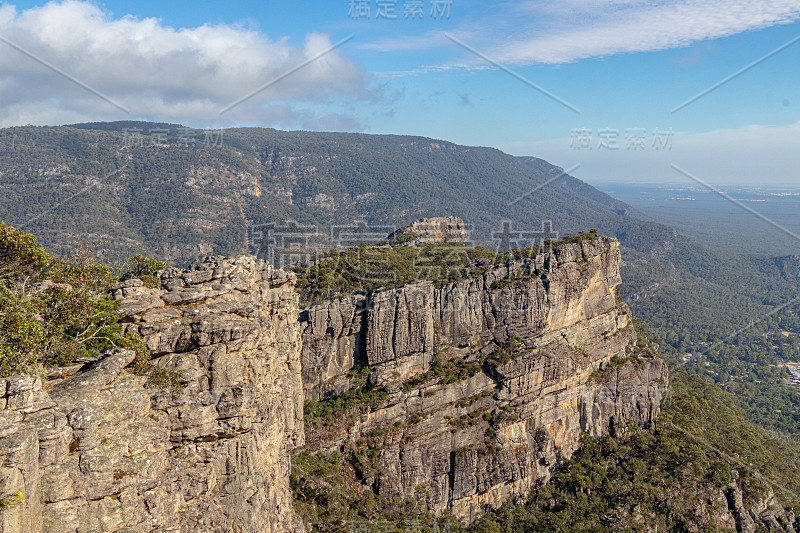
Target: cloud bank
{"x": 156, "y": 71}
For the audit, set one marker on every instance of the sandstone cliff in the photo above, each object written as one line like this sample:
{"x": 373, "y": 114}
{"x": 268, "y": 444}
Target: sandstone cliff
{"x": 463, "y": 396}
{"x": 750, "y": 509}
{"x": 432, "y": 230}
{"x": 103, "y": 451}
{"x": 490, "y": 380}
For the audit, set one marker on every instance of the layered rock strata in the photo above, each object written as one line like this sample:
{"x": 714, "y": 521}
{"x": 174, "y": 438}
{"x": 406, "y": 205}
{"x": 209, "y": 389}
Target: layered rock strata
{"x": 490, "y": 380}
{"x": 433, "y": 231}
{"x": 104, "y": 450}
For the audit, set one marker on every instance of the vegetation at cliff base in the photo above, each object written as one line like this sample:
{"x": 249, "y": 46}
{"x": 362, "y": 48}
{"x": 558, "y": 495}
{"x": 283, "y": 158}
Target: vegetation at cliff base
{"x": 672, "y": 477}
{"x": 329, "y": 496}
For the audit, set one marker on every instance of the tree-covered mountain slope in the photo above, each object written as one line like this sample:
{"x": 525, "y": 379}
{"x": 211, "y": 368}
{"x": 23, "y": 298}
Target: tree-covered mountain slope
{"x": 180, "y": 200}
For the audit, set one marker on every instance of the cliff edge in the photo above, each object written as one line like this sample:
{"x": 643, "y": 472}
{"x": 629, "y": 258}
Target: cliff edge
{"x": 487, "y": 382}
{"x": 104, "y": 451}
{"x": 461, "y": 395}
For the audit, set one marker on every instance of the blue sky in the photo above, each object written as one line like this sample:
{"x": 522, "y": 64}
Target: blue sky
{"x": 624, "y": 64}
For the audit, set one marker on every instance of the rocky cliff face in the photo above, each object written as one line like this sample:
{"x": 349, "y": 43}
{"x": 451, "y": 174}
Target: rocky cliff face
{"x": 464, "y": 396}
{"x": 433, "y": 230}
{"x": 104, "y": 451}
{"x": 489, "y": 381}
{"x": 749, "y": 509}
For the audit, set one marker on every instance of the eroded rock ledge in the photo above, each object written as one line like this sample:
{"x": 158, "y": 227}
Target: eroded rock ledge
{"x": 103, "y": 451}
{"x": 474, "y": 441}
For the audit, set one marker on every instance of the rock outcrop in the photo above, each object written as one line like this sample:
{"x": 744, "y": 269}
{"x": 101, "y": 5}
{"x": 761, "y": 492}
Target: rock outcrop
{"x": 751, "y": 509}
{"x": 433, "y": 230}
{"x": 105, "y": 451}
{"x": 546, "y": 352}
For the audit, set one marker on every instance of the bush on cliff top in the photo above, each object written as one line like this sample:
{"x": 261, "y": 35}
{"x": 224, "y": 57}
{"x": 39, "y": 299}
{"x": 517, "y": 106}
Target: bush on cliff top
{"x": 366, "y": 268}
{"x": 142, "y": 268}
{"x": 53, "y": 312}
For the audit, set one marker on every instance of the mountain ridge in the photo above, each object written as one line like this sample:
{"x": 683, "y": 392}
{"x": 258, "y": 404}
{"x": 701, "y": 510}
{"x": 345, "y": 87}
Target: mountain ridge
{"x": 266, "y": 160}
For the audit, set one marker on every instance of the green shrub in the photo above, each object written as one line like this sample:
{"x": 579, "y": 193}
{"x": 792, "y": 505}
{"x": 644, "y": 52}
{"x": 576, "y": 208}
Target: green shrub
{"x": 507, "y": 352}
{"x": 74, "y": 317}
{"x": 142, "y": 267}
{"x": 450, "y": 371}
{"x": 330, "y": 410}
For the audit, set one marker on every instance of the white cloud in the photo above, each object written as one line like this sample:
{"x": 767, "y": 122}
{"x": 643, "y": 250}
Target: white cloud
{"x": 427, "y": 41}
{"x": 156, "y": 71}
{"x": 576, "y": 30}
{"x": 522, "y": 32}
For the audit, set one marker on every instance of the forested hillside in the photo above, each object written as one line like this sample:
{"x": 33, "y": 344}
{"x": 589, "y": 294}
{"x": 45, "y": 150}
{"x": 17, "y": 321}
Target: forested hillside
{"x": 180, "y": 200}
